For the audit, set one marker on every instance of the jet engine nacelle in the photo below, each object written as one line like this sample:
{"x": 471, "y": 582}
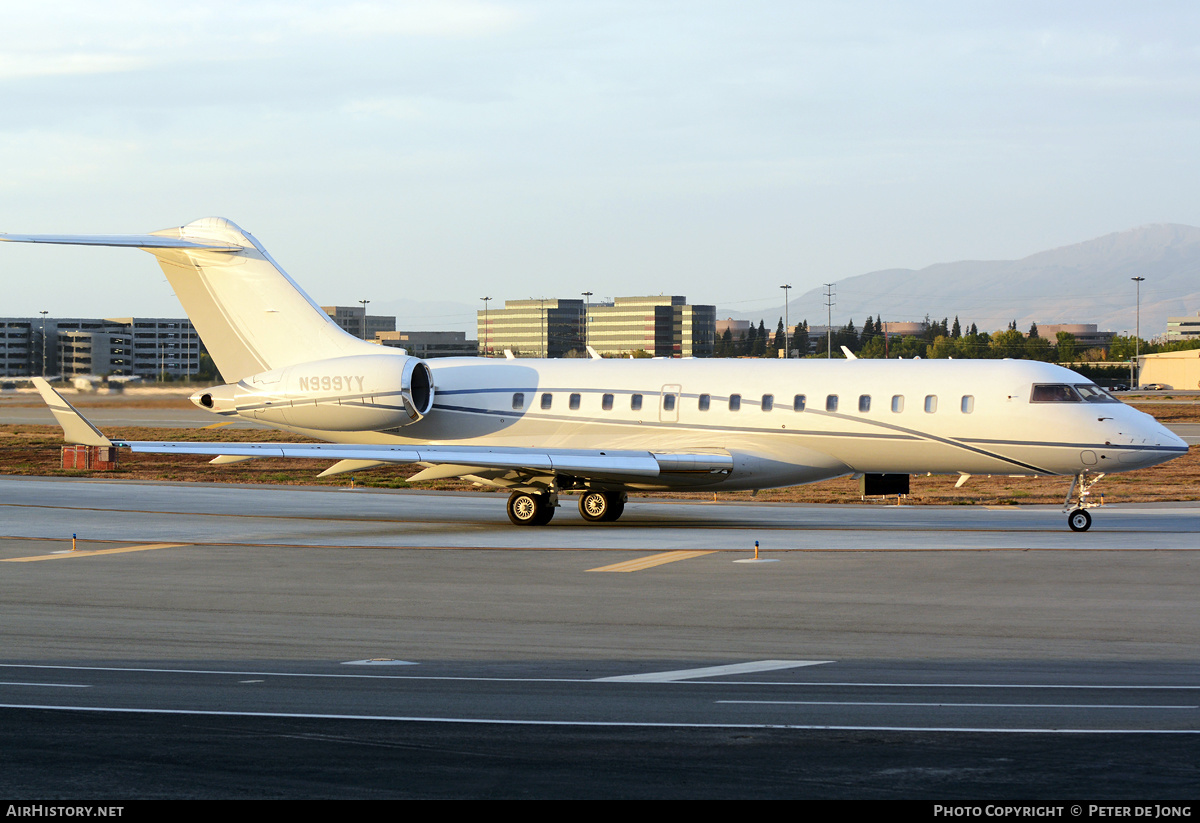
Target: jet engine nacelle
{"x": 365, "y": 392}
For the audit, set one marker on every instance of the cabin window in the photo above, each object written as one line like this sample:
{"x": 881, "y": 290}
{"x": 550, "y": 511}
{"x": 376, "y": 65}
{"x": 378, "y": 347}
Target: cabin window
{"x": 704, "y": 402}
{"x": 735, "y": 402}
{"x": 606, "y": 402}
{"x": 574, "y": 402}
{"x": 547, "y": 399}
{"x": 518, "y": 400}
{"x": 768, "y": 402}
{"x": 968, "y": 403}
{"x": 897, "y": 403}
{"x": 668, "y": 402}
{"x": 798, "y": 403}
{"x": 635, "y": 402}
{"x": 931, "y": 403}
{"x": 864, "y": 402}
{"x": 831, "y": 403}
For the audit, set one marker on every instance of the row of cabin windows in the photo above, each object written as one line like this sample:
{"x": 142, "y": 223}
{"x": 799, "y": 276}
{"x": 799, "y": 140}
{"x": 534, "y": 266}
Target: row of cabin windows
{"x": 967, "y": 404}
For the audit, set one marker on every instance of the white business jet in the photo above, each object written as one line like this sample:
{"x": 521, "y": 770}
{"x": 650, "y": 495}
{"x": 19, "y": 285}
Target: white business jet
{"x": 604, "y": 428}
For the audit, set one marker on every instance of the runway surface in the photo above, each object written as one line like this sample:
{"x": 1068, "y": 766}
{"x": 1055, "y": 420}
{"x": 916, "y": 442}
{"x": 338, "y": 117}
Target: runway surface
{"x": 210, "y": 640}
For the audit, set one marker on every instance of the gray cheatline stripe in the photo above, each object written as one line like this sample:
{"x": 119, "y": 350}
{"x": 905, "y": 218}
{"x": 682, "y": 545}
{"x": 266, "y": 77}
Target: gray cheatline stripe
{"x": 951, "y": 705}
{"x": 489, "y": 721}
{"x": 710, "y": 671}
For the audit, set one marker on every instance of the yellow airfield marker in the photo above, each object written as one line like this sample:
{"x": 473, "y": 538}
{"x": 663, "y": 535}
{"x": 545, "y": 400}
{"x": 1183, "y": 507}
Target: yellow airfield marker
{"x": 123, "y": 549}
{"x": 653, "y": 560}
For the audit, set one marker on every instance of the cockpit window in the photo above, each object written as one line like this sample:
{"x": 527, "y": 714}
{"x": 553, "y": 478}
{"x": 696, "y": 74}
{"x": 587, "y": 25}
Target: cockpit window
{"x": 1092, "y": 393}
{"x": 1054, "y": 393}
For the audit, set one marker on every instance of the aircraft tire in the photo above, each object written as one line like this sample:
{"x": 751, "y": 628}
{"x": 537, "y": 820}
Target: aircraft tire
{"x": 601, "y": 507}
{"x": 528, "y": 509}
{"x": 1079, "y": 520}
{"x": 616, "y": 507}
{"x": 595, "y": 507}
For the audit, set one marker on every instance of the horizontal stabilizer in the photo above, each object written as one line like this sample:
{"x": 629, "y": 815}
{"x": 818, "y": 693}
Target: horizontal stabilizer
{"x": 251, "y": 316}
{"x": 137, "y": 241}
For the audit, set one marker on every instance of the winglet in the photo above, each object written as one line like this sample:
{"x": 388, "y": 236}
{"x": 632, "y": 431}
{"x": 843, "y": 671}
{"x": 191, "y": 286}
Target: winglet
{"x": 76, "y": 429}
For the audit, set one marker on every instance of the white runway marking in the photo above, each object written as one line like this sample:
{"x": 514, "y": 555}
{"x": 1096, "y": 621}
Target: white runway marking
{"x": 711, "y": 671}
{"x": 952, "y": 705}
{"x": 48, "y": 685}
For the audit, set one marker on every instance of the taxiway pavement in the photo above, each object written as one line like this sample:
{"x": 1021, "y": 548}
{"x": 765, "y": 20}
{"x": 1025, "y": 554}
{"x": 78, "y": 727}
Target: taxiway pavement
{"x": 224, "y": 641}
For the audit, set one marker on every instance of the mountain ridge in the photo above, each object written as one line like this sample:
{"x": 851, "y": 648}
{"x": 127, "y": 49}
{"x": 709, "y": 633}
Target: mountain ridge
{"x": 1086, "y": 282}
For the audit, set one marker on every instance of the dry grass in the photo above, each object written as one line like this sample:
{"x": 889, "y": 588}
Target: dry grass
{"x": 34, "y": 450}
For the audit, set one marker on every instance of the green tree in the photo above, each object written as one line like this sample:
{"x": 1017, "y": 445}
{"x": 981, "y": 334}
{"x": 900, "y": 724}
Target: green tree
{"x": 760, "y": 341}
{"x": 874, "y": 349}
{"x": 909, "y": 347}
{"x": 942, "y": 348}
{"x": 1065, "y": 347}
{"x": 800, "y": 338}
{"x": 1038, "y": 348}
{"x": 1123, "y": 348}
{"x": 1009, "y": 343}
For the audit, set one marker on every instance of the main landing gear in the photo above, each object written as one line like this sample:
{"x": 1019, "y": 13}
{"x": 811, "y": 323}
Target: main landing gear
{"x": 1077, "y": 502}
{"x": 536, "y": 509}
{"x": 531, "y": 509}
{"x": 601, "y": 507}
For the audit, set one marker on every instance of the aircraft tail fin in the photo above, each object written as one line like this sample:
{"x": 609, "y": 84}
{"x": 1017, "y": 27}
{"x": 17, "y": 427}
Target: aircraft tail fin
{"x": 250, "y": 314}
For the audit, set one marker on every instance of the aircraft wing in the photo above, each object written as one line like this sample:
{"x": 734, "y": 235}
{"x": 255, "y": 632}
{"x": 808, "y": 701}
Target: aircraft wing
{"x": 505, "y": 466}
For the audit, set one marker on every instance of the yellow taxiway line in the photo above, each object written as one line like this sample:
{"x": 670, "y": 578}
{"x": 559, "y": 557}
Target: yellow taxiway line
{"x": 640, "y": 563}
{"x": 64, "y": 555}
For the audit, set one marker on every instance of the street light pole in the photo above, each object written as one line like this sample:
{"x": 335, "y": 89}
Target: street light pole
{"x": 830, "y": 299}
{"x": 486, "y": 328}
{"x": 1137, "y": 334}
{"x": 787, "y": 352}
{"x": 44, "y": 313}
{"x": 364, "y": 325}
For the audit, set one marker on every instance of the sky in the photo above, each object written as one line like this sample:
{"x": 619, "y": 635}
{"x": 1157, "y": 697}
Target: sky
{"x": 458, "y": 149}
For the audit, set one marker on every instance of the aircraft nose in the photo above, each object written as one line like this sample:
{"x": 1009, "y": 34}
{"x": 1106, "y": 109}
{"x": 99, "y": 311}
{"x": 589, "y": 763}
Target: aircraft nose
{"x": 1167, "y": 446}
{"x": 1170, "y": 439}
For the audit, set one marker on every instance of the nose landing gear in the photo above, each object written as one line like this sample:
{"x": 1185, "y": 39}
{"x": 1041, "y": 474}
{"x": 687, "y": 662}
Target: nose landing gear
{"x": 1077, "y": 502}
{"x": 1079, "y": 520}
